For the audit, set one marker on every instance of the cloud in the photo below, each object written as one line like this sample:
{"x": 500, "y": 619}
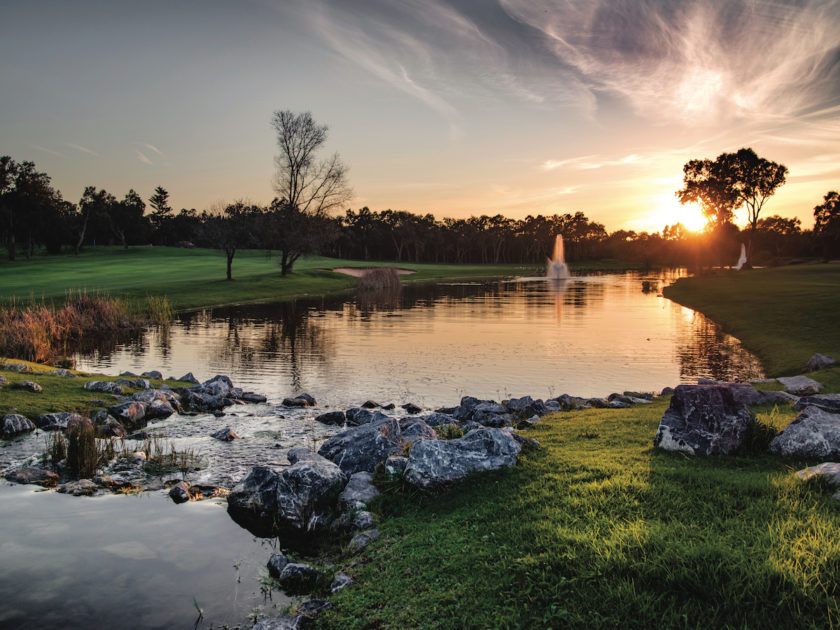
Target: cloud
{"x": 151, "y": 148}
{"x": 590, "y": 162}
{"x": 699, "y": 61}
{"x": 144, "y": 158}
{"x": 81, "y": 149}
{"x": 46, "y": 150}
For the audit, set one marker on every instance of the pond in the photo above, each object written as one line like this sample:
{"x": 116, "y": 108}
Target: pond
{"x": 588, "y": 336}
{"x": 142, "y": 561}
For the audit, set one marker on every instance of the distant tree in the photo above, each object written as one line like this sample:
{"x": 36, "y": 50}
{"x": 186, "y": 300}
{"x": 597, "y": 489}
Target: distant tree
{"x": 93, "y": 205}
{"x": 126, "y": 218}
{"x": 777, "y": 235}
{"x": 161, "y": 210}
{"x": 233, "y": 229}
{"x": 827, "y": 223}
{"x": 307, "y": 188}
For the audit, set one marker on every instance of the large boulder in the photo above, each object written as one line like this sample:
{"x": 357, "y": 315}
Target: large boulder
{"x": 800, "y": 385}
{"x": 33, "y": 475}
{"x": 526, "y": 407}
{"x": 413, "y": 430}
{"x": 56, "y": 421}
{"x": 359, "y": 489}
{"x": 220, "y": 386}
{"x": 820, "y": 362}
{"x": 130, "y": 414}
{"x": 358, "y": 416}
{"x": 196, "y": 400}
{"x": 362, "y": 448}
{"x": 435, "y": 462}
{"x": 827, "y": 402}
{"x": 301, "y": 497}
{"x": 331, "y": 417}
{"x": 104, "y": 386}
{"x": 704, "y": 420}
{"x": 15, "y": 424}
{"x": 813, "y": 433}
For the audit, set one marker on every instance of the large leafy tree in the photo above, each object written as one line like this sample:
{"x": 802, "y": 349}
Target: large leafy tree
{"x": 827, "y": 223}
{"x": 753, "y": 178}
{"x": 707, "y": 184}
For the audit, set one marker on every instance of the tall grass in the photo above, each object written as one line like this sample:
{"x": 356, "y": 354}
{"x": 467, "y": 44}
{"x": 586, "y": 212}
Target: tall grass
{"x": 380, "y": 279}
{"x": 40, "y": 332}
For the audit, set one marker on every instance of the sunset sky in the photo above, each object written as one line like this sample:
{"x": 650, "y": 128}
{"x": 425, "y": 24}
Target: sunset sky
{"x": 456, "y": 108}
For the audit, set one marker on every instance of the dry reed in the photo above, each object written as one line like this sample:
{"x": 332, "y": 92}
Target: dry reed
{"x": 380, "y": 279}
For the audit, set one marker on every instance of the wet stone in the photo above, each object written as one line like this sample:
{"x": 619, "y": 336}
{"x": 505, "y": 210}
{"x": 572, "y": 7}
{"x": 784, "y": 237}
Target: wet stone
{"x": 33, "y": 475}
{"x": 276, "y": 563}
{"x": 225, "y": 435}
{"x": 30, "y": 386}
{"x": 80, "y": 488}
{"x": 15, "y": 424}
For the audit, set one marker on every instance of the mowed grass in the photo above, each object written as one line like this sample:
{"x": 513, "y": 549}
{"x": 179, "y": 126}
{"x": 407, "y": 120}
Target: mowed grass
{"x": 195, "y": 278}
{"x": 783, "y": 314}
{"x": 599, "y": 530}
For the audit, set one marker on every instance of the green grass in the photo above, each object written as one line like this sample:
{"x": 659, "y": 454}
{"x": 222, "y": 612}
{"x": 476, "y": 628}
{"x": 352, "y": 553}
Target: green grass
{"x": 59, "y": 392}
{"x": 783, "y": 314}
{"x": 599, "y": 530}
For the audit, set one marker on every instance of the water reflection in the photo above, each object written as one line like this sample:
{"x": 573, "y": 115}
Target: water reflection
{"x": 432, "y": 344}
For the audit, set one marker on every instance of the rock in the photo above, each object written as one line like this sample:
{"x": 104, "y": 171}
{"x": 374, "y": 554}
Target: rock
{"x": 225, "y": 435}
{"x": 158, "y": 409}
{"x": 528, "y": 423}
{"x": 830, "y": 471}
{"x": 63, "y": 372}
{"x": 704, "y": 420}
{"x": 301, "y": 453}
{"x": 525, "y": 442}
{"x": 139, "y": 435}
{"x": 189, "y": 377}
{"x": 56, "y": 421}
{"x": 359, "y": 489}
{"x": 30, "y": 386}
{"x": 297, "y": 578}
{"x": 617, "y": 403}
{"x": 331, "y": 417}
{"x": 15, "y": 424}
{"x": 108, "y": 426}
{"x": 17, "y": 367}
{"x": 276, "y": 563}
{"x": 3, "y": 381}
{"x": 432, "y": 463}
{"x": 526, "y": 406}
{"x": 820, "y": 362}
{"x": 251, "y": 397}
{"x": 153, "y": 374}
{"x": 826, "y": 402}
{"x": 137, "y": 383}
{"x": 666, "y": 391}
{"x": 340, "y": 581}
{"x": 389, "y": 407}
{"x": 129, "y": 374}
{"x": 282, "y": 621}
{"x": 641, "y": 395}
{"x": 415, "y": 430}
{"x": 435, "y": 419}
{"x": 369, "y": 404}
{"x": 800, "y": 385}
{"x": 709, "y": 381}
{"x": 199, "y": 401}
{"x": 362, "y": 540}
{"x": 358, "y": 416}
{"x": 219, "y": 386}
{"x": 295, "y": 402}
{"x": 103, "y": 386}
{"x": 395, "y": 465}
{"x": 33, "y": 475}
{"x": 813, "y": 433}
{"x": 130, "y": 414}
{"x": 300, "y": 497}
{"x": 80, "y": 488}
{"x": 362, "y": 448}
{"x": 180, "y": 492}
{"x": 571, "y": 403}
{"x": 411, "y": 408}
{"x": 363, "y": 520}
{"x": 312, "y": 607}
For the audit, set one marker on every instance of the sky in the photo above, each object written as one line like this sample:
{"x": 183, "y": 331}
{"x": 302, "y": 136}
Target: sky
{"x": 457, "y": 108}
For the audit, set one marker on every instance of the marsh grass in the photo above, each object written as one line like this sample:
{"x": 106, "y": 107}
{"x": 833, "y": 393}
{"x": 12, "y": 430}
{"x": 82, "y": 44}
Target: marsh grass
{"x": 40, "y": 331}
{"x": 162, "y": 457}
{"x": 380, "y": 279}
{"x": 606, "y": 532}
{"x": 83, "y": 456}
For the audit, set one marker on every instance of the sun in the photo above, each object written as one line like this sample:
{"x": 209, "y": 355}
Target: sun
{"x": 670, "y": 211}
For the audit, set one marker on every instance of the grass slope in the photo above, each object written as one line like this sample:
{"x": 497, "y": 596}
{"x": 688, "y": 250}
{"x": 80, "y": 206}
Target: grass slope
{"x": 599, "y": 530}
{"x": 783, "y": 314}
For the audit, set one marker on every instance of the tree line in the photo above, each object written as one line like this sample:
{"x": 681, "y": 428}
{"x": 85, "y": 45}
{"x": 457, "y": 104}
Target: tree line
{"x": 302, "y": 218}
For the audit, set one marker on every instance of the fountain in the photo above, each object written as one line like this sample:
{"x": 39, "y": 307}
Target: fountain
{"x": 556, "y": 269}
{"x": 742, "y": 259}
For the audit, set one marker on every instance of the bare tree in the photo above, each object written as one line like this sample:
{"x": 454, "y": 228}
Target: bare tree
{"x": 307, "y": 184}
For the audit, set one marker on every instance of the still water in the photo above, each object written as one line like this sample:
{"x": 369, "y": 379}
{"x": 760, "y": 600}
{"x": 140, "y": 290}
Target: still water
{"x": 588, "y": 336}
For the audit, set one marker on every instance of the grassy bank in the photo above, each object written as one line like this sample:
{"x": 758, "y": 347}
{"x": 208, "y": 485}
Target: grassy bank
{"x": 195, "y": 278}
{"x": 599, "y": 530}
{"x": 783, "y": 314}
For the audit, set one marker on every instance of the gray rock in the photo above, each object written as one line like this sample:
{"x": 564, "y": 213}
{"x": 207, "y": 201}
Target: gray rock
{"x": 340, "y": 581}
{"x": 359, "y": 489}
{"x": 826, "y": 402}
{"x": 526, "y": 406}
{"x": 129, "y": 374}
{"x": 617, "y": 403}
{"x": 196, "y": 400}
{"x": 33, "y": 475}
{"x": 830, "y": 471}
{"x": 136, "y": 383}
{"x": 56, "y": 421}
{"x": 298, "y": 578}
{"x": 251, "y": 397}
{"x": 331, "y": 417}
{"x": 362, "y": 540}
{"x": 763, "y": 381}
{"x": 395, "y": 464}
{"x": 362, "y": 448}
{"x": 276, "y": 563}
{"x": 704, "y": 420}
{"x": 363, "y": 520}
{"x": 180, "y": 492}
{"x": 301, "y": 400}
{"x": 15, "y": 424}
{"x": 358, "y": 416}
{"x": 149, "y": 395}
{"x": 436, "y": 419}
{"x": 800, "y": 385}
{"x": 571, "y": 403}
{"x": 219, "y": 386}
{"x": 80, "y": 488}
{"x": 411, "y": 408}
{"x": 642, "y": 395}
{"x": 103, "y": 386}
{"x": 369, "y": 404}
{"x": 597, "y": 403}
{"x": 312, "y": 607}
{"x": 432, "y": 463}
{"x": 225, "y": 435}
{"x": 666, "y": 391}
{"x": 30, "y": 386}
{"x": 189, "y": 377}
{"x": 108, "y": 426}
{"x": 525, "y": 442}
{"x": 414, "y": 430}
{"x": 528, "y": 422}
{"x": 813, "y": 433}
{"x": 3, "y": 381}
{"x": 820, "y": 362}
{"x": 256, "y": 494}
{"x": 709, "y": 381}
{"x": 301, "y": 453}
{"x": 17, "y": 367}
{"x": 282, "y": 621}
{"x": 153, "y": 374}
{"x": 63, "y": 372}
{"x": 158, "y": 409}
{"x": 130, "y": 414}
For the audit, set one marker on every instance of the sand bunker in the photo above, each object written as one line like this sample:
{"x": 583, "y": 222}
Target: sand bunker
{"x": 358, "y": 272}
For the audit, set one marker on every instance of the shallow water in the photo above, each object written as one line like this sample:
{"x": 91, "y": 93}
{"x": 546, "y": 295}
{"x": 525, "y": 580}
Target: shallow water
{"x": 431, "y": 345}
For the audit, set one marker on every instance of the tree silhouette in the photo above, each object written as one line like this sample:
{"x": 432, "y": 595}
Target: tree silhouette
{"x": 827, "y": 223}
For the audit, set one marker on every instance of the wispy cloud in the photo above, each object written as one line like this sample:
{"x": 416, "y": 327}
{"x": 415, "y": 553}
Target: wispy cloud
{"x": 697, "y": 61}
{"x": 590, "y": 162}
{"x": 81, "y": 149}
{"x": 151, "y": 148}
{"x": 144, "y": 158}
{"x": 46, "y": 150}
